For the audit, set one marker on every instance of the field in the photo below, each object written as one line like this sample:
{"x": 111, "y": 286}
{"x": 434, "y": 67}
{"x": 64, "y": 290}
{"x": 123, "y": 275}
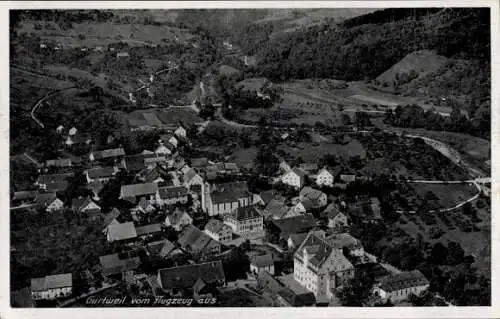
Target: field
{"x": 100, "y": 34}
{"x": 475, "y": 241}
{"x": 448, "y": 195}
{"x": 313, "y": 152}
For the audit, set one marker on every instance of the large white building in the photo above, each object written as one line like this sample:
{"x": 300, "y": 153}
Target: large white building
{"x": 225, "y": 198}
{"x": 398, "y": 287}
{"x": 245, "y": 221}
{"x": 52, "y": 287}
{"x": 321, "y": 268}
{"x": 219, "y": 231}
{"x": 294, "y": 177}
{"x": 325, "y": 177}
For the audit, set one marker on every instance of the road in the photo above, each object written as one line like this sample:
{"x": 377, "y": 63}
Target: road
{"x": 41, "y": 100}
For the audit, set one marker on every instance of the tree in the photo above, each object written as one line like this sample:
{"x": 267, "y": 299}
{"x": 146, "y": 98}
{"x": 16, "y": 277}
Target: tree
{"x": 455, "y": 253}
{"x": 438, "y": 255}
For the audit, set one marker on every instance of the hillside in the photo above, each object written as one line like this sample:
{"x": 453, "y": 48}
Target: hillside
{"x": 412, "y": 67}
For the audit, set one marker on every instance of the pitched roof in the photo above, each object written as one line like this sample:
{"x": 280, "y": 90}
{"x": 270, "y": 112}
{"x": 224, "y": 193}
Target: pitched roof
{"x": 215, "y": 226}
{"x": 57, "y": 186}
{"x": 268, "y": 195}
{"x": 229, "y": 192}
{"x": 193, "y": 239}
{"x": 148, "y": 229}
{"x": 176, "y": 216}
{"x": 80, "y": 203}
{"x": 122, "y": 231}
{"x": 297, "y": 224}
{"x": 108, "y": 218}
{"x": 297, "y": 239}
{"x": 297, "y": 170}
{"x": 45, "y": 198}
{"x": 136, "y": 162}
{"x": 199, "y": 162}
{"x": 403, "y": 280}
{"x": 343, "y": 240}
{"x": 52, "y": 282}
{"x": 62, "y": 162}
{"x": 260, "y": 261}
{"x": 331, "y": 211}
{"x": 53, "y": 178}
{"x": 189, "y": 175}
{"x": 231, "y": 167}
{"x": 134, "y": 190}
{"x": 114, "y": 152}
{"x": 112, "y": 264}
{"x": 294, "y": 293}
{"x": 173, "y": 192}
{"x": 183, "y": 277}
{"x": 310, "y": 193}
{"x": 160, "y": 247}
{"x": 276, "y": 209}
{"x": 22, "y": 195}
{"x": 101, "y": 172}
{"x": 269, "y": 283}
{"x": 246, "y": 212}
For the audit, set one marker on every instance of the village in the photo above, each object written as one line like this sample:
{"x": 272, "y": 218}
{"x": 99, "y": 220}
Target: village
{"x": 209, "y": 219}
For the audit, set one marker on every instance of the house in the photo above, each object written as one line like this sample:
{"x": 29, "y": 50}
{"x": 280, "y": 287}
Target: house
{"x": 52, "y": 287}
{"x": 219, "y": 231}
{"x": 59, "y": 163}
{"x": 299, "y": 208}
{"x": 135, "y": 163}
{"x": 276, "y": 209}
{"x": 398, "y": 287}
{"x": 133, "y": 192}
{"x": 294, "y": 240}
{"x": 346, "y": 241}
{"x": 191, "y": 178}
{"x": 24, "y": 197}
{"x": 81, "y": 139}
{"x": 156, "y": 174}
{"x": 294, "y": 177}
{"x": 114, "y": 153}
{"x": 72, "y": 131}
{"x": 181, "y": 280}
{"x": 260, "y": 263}
{"x": 169, "y": 138}
{"x": 148, "y": 230}
{"x": 230, "y": 168}
{"x": 172, "y": 195}
{"x": 284, "y": 167}
{"x": 181, "y": 132}
{"x": 85, "y": 206}
{"x": 321, "y": 268}
{"x": 336, "y": 218}
{"x": 46, "y": 181}
{"x": 122, "y": 55}
{"x": 100, "y": 174}
{"x": 198, "y": 243}
{"x": 326, "y": 177}
{"x": 178, "y": 219}
{"x": 293, "y": 294}
{"x": 165, "y": 149}
{"x": 121, "y": 232}
{"x": 245, "y": 221}
{"x": 347, "y": 177}
{"x": 282, "y": 228}
{"x": 145, "y": 206}
{"x": 284, "y": 136}
{"x": 113, "y": 265}
{"x": 224, "y": 198}
{"x": 163, "y": 248}
{"x": 266, "y": 196}
{"x": 49, "y": 202}
{"x": 110, "y": 219}
{"x": 315, "y": 198}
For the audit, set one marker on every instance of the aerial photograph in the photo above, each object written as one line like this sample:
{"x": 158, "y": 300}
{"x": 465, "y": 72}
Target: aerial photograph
{"x": 279, "y": 157}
